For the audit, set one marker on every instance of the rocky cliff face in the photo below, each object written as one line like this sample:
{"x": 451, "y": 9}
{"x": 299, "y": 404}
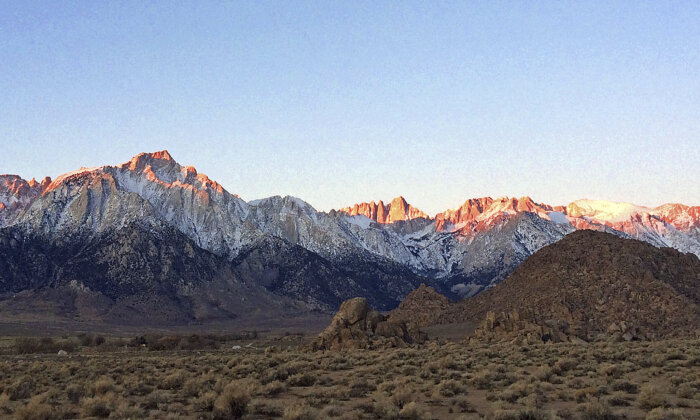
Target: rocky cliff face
{"x": 16, "y": 194}
{"x": 397, "y": 210}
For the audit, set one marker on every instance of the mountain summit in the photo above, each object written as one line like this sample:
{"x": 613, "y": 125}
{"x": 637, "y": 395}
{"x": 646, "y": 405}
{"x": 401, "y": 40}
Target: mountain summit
{"x": 397, "y": 210}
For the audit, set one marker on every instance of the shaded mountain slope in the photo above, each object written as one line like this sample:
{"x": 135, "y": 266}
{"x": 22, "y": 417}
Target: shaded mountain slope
{"x": 291, "y": 270}
{"x": 134, "y": 274}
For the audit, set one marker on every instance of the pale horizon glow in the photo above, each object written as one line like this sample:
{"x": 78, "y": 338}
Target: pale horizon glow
{"x": 345, "y": 103}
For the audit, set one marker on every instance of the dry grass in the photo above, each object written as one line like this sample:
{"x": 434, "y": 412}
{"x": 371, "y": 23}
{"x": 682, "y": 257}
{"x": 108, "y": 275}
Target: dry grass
{"x": 636, "y": 380}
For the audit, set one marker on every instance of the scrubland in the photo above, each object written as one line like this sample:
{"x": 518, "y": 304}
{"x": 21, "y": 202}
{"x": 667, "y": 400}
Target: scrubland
{"x": 205, "y": 377}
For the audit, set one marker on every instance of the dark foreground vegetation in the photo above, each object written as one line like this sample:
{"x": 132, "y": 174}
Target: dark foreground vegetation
{"x": 244, "y": 376}
{"x": 98, "y": 342}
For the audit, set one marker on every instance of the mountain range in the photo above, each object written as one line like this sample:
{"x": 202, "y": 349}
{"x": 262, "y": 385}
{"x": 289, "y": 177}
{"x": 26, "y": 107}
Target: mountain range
{"x": 152, "y": 229}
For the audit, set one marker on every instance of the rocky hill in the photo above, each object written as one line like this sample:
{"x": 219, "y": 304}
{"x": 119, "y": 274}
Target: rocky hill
{"x": 591, "y": 285}
{"x": 423, "y": 306}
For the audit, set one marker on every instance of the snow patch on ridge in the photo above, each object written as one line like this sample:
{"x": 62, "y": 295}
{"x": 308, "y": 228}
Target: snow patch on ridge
{"x": 359, "y": 220}
{"x": 608, "y": 211}
{"x": 558, "y": 217}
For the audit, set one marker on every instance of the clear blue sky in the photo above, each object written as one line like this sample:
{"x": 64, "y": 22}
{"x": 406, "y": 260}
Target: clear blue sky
{"x": 339, "y": 102}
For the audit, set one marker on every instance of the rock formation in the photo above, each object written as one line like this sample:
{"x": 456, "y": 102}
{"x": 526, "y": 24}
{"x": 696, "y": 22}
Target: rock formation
{"x": 510, "y": 326}
{"x": 422, "y": 306}
{"x": 358, "y": 326}
{"x": 397, "y": 210}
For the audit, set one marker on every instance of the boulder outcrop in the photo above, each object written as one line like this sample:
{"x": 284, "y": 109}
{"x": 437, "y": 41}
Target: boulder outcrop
{"x": 422, "y": 306}
{"x": 511, "y": 326}
{"x": 358, "y": 326}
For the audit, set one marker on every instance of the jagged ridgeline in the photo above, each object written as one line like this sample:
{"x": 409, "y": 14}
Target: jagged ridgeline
{"x": 116, "y": 242}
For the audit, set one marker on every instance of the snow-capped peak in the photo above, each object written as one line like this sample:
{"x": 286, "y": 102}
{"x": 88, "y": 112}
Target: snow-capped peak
{"x": 605, "y": 211}
{"x": 68, "y": 175}
{"x": 481, "y": 211}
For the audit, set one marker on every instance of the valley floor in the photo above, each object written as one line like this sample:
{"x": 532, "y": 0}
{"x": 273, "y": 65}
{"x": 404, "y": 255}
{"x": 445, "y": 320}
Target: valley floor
{"x": 276, "y": 378}
{"x": 51, "y": 326}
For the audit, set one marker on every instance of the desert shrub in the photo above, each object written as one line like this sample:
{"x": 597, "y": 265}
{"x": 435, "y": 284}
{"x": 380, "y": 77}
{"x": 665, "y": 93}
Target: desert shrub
{"x": 613, "y": 371}
{"x": 91, "y": 340}
{"x": 232, "y": 402}
{"x": 359, "y": 387}
{"x": 450, "y": 388}
{"x": 273, "y": 388}
{"x": 153, "y": 399}
{"x": 21, "y": 389}
{"x": 36, "y": 409}
{"x": 676, "y": 356}
{"x": 30, "y": 345}
{"x": 385, "y": 409}
{"x": 193, "y": 387}
{"x": 660, "y": 413}
{"x": 138, "y": 341}
{"x": 463, "y": 405}
{"x": 75, "y": 392}
{"x": 484, "y": 379}
{"x": 5, "y": 404}
{"x": 544, "y": 373}
{"x": 595, "y": 410}
{"x": 99, "y": 406}
{"x": 651, "y": 397}
{"x": 197, "y": 342}
{"x": 102, "y": 386}
{"x": 125, "y": 410}
{"x": 85, "y": 340}
{"x": 402, "y": 396}
{"x": 260, "y": 408}
{"x": 301, "y": 379}
{"x": 299, "y": 411}
{"x": 564, "y": 365}
{"x": 582, "y": 395}
{"x": 625, "y": 386}
{"x": 517, "y": 415}
{"x": 515, "y": 391}
{"x": 332, "y": 411}
{"x": 617, "y": 399}
{"x": 413, "y": 411}
{"x": 172, "y": 381}
{"x": 205, "y": 402}
{"x": 685, "y": 391}
{"x": 167, "y": 343}
{"x": 140, "y": 388}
